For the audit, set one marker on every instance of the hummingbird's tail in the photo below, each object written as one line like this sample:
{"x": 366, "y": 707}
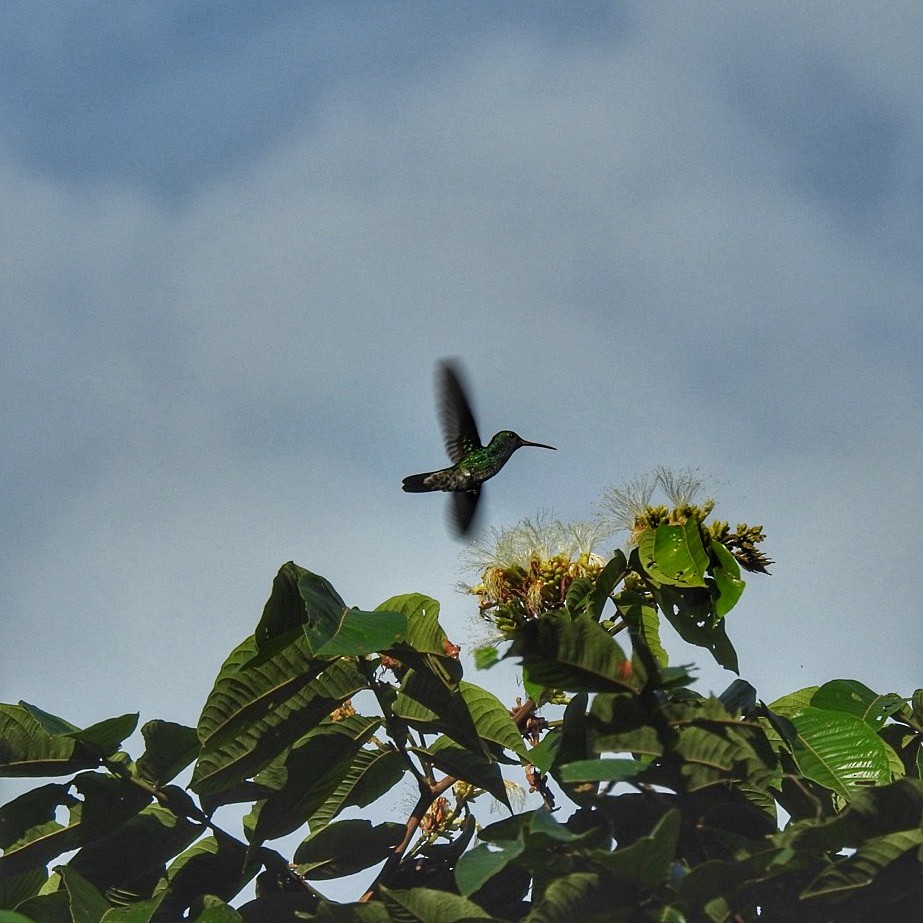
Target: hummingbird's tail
{"x": 415, "y": 483}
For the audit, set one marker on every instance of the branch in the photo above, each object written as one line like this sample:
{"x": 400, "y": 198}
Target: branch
{"x": 427, "y": 797}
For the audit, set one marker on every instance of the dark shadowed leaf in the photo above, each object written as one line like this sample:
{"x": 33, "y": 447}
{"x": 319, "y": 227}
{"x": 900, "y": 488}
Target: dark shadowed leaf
{"x": 346, "y": 847}
{"x": 257, "y": 703}
{"x": 558, "y": 652}
{"x": 169, "y": 749}
{"x": 855, "y": 698}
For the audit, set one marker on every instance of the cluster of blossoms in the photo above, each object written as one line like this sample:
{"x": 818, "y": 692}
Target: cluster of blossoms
{"x": 528, "y": 569}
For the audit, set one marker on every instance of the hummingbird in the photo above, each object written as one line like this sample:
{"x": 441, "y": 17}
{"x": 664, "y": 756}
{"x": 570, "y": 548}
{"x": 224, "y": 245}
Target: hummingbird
{"x": 472, "y": 462}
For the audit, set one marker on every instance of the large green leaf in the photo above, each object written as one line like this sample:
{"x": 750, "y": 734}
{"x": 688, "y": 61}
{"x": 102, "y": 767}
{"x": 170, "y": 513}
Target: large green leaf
{"x": 574, "y": 896}
{"x": 424, "y": 905}
{"x": 346, "y": 847}
{"x": 425, "y": 702}
{"x": 29, "y": 833}
{"x": 214, "y": 910}
{"x": 601, "y": 770}
{"x": 558, "y": 652}
{"x": 621, "y": 724}
{"x": 872, "y": 857}
{"x": 872, "y": 812}
{"x": 306, "y": 604}
{"x": 607, "y": 580}
{"x": 426, "y": 646}
{"x": 855, "y": 698}
{"x": 265, "y": 723}
{"x": 674, "y": 554}
{"x": 105, "y": 737}
{"x": 644, "y": 622}
{"x": 87, "y": 905}
{"x": 839, "y": 751}
{"x": 646, "y": 862}
{"x": 691, "y": 611}
{"x": 308, "y": 775}
{"x": 477, "y": 866}
{"x": 28, "y": 749}
{"x": 169, "y": 749}
{"x": 285, "y": 610}
{"x": 469, "y": 714}
{"x": 371, "y": 774}
{"x": 728, "y": 583}
{"x": 134, "y": 853}
{"x": 334, "y": 630}
{"x": 359, "y": 633}
{"x": 249, "y": 687}
{"x": 216, "y": 864}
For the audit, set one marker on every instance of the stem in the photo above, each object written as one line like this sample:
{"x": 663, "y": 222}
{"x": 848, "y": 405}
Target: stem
{"x": 428, "y": 795}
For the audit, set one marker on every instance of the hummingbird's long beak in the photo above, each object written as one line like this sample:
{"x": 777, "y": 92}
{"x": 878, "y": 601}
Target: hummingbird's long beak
{"x": 538, "y": 445}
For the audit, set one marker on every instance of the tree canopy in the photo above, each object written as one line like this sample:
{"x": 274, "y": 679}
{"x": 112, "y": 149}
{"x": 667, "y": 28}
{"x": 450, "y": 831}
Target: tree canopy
{"x": 648, "y": 801}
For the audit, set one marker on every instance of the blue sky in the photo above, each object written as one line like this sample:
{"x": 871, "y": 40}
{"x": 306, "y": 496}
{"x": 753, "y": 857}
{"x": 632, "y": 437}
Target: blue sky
{"x": 235, "y": 239}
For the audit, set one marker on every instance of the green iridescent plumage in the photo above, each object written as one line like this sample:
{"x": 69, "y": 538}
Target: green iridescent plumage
{"x": 473, "y": 463}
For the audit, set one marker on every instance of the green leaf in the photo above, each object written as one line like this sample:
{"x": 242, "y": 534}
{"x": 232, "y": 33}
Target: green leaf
{"x": 674, "y": 554}
{"x": 426, "y": 646}
{"x": 346, "y": 847}
{"x": 254, "y": 713}
{"x": 424, "y": 905}
{"x": 214, "y": 910}
{"x": 11, "y": 916}
{"x": 308, "y": 775}
{"x": 372, "y": 773}
{"x": 646, "y": 862}
{"x": 790, "y": 705}
{"x": 871, "y": 858}
{"x": 359, "y": 633}
{"x": 477, "y": 866}
{"x": 105, "y": 737}
{"x": 51, "y": 724}
{"x": 469, "y": 715}
{"x": 334, "y": 630}
{"x": 691, "y": 612}
{"x": 27, "y": 749}
{"x": 609, "y": 577}
{"x": 249, "y": 686}
{"x": 86, "y": 903}
{"x": 285, "y": 610}
{"x": 579, "y": 599}
{"x": 29, "y": 833}
{"x": 644, "y": 622}
{"x": 578, "y": 654}
{"x": 423, "y": 631}
{"x": 601, "y": 770}
{"x": 872, "y": 812}
{"x": 574, "y": 896}
{"x": 620, "y": 724}
{"x": 855, "y": 698}
{"x": 839, "y": 751}
{"x": 169, "y": 749}
{"x": 728, "y": 583}
{"x": 215, "y": 865}
{"x": 486, "y": 657}
{"x": 18, "y": 887}
{"x": 137, "y": 850}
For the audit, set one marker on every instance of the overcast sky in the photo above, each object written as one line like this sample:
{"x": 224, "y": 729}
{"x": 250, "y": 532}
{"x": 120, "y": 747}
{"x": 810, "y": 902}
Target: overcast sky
{"x": 236, "y": 238}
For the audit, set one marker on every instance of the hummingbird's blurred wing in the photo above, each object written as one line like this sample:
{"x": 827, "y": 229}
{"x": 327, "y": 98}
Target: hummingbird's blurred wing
{"x": 459, "y": 431}
{"x": 464, "y": 504}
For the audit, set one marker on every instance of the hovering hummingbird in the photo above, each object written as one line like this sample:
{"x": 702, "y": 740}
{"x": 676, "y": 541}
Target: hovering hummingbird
{"x": 472, "y": 463}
